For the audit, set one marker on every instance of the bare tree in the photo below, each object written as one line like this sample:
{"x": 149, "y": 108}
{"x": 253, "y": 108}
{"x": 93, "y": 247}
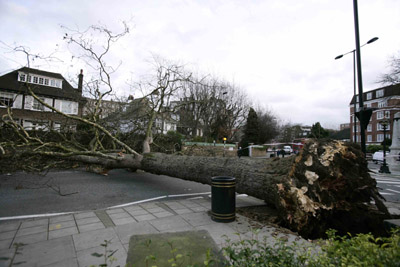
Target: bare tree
{"x": 393, "y": 77}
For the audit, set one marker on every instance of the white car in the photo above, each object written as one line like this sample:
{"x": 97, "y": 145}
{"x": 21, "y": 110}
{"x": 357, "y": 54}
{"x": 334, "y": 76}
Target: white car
{"x": 288, "y": 150}
{"x": 377, "y": 156}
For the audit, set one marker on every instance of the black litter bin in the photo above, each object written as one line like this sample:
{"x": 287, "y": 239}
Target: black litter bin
{"x": 223, "y": 199}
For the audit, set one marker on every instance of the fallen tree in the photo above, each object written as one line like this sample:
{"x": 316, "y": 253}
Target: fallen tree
{"x": 326, "y": 186}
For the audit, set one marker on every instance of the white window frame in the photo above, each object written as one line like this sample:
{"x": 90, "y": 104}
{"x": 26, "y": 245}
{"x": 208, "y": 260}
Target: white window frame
{"x": 382, "y": 104}
{"x": 36, "y": 105}
{"x": 380, "y": 93}
{"x": 387, "y": 114}
{"x": 369, "y": 138}
{"x": 369, "y": 96}
{"x": 6, "y": 98}
{"x": 369, "y": 128}
{"x": 379, "y": 115}
{"x": 379, "y": 137}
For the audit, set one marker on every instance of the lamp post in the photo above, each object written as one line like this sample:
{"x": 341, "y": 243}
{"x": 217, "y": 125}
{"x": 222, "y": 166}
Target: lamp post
{"x": 384, "y": 168}
{"x": 354, "y": 82}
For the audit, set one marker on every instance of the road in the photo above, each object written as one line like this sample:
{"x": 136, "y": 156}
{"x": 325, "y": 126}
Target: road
{"x": 388, "y": 184}
{"x": 27, "y": 194}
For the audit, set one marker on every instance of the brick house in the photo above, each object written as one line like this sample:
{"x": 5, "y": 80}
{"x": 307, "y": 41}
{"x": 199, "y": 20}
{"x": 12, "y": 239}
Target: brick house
{"x": 51, "y": 87}
{"x": 386, "y": 102}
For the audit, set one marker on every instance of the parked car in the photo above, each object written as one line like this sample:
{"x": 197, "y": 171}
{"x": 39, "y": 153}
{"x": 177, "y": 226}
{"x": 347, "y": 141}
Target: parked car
{"x": 377, "y": 156}
{"x": 288, "y": 150}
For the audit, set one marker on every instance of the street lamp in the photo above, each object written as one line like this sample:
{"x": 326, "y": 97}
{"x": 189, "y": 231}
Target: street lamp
{"x": 384, "y": 168}
{"x": 354, "y": 82}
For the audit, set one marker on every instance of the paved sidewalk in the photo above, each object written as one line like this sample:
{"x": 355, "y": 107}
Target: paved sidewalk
{"x": 69, "y": 240}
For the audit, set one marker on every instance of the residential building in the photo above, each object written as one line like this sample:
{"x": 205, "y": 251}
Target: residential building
{"x": 51, "y": 87}
{"x": 135, "y": 115}
{"x": 385, "y": 102}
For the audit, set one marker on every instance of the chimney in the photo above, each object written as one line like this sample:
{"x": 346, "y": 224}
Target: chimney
{"x": 80, "y": 81}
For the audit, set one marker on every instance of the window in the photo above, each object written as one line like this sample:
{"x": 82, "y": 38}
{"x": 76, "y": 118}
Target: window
{"x": 382, "y": 104}
{"x": 22, "y": 77}
{"x": 46, "y": 81}
{"x": 52, "y": 83}
{"x": 37, "y": 105}
{"x": 387, "y": 114}
{"x": 379, "y": 137}
{"x": 380, "y": 127}
{"x": 29, "y": 80}
{"x": 368, "y": 105}
{"x": 35, "y": 79}
{"x": 380, "y": 93}
{"x": 369, "y": 138}
{"x": 6, "y": 99}
{"x": 369, "y": 128}
{"x": 369, "y": 96}
{"x": 379, "y": 115}
{"x": 41, "y": 80}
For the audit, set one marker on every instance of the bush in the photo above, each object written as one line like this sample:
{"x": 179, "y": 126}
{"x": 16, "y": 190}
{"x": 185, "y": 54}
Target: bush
{"x": 373, "y": 148}
{"x": 360, "y": 250}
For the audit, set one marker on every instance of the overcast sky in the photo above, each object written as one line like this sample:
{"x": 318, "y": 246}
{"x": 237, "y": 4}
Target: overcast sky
{"x": 281, "y": 52}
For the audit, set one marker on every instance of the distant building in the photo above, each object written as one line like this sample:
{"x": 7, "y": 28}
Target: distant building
{"x": 386, "y": 102}
{"x": 50, "y": 87}
{"x": 344, "y": 126}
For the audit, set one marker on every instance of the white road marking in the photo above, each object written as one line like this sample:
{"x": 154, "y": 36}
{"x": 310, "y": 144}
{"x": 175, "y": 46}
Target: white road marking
{"x": 389, "y": 194}
{"x": 393, "y": 191}
{"x": 387, "y": 182}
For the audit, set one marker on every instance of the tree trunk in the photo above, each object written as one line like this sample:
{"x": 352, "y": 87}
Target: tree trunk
{"x": 326, "y": 186}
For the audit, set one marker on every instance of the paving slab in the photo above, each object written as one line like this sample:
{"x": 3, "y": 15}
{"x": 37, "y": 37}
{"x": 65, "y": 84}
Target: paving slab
{"x": 61, "y": 225}
{"x": 63, "y": 218}
{"x": 192, "y": 243}
{"x": 123, "y": 221}
{"x": 86, "y": 257}
{"x": 6, "y": 227}
{"x": 145, "y": 217}
{"x": 73, "y": 262}
{"x": 7, "y": 235}
{"x": 34, "y": 223}
{"x": 63, "y": 232}
{"x": 183, "y": 211}
{"x": 138, "y": 212}
{"x": 91, "y": 227}
{"x": 31, "y": 239}
{"x": 32, "y": 230}
{"x": 88, "y": 220}
{"x": 163, "y": 214}
{"x": 5, "y": 244}
{"x": 83, "y": 215}
{"x": 124, "y": 232}
{"x": 94, "y": 239}
{"x": 112, "y": 211}
{"x": 171, "y": 224}
{"x": 120, "y": 215}
{"x": 47, "y": 252}
{"x": 197, "y": 219}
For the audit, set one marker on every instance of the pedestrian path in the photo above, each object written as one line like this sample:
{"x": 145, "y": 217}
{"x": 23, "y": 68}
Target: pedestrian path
{"x": 71, "y": 239}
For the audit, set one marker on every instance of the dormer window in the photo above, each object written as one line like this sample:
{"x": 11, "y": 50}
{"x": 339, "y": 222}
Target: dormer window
{"x": 38, "y": 79}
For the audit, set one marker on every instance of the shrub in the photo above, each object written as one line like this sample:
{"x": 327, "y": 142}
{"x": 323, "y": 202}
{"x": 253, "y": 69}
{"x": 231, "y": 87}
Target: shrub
{"x": 374, "y": 148}
{"x": 360, "y": 250}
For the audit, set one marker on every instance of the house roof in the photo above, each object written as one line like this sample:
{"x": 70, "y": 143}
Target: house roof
{"x": 391, "y": 90}
{"x": 9, "y": 82}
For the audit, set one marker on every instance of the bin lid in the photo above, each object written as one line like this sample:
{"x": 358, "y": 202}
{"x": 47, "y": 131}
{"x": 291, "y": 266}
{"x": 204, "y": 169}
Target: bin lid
{"x": 223, "y": 179}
